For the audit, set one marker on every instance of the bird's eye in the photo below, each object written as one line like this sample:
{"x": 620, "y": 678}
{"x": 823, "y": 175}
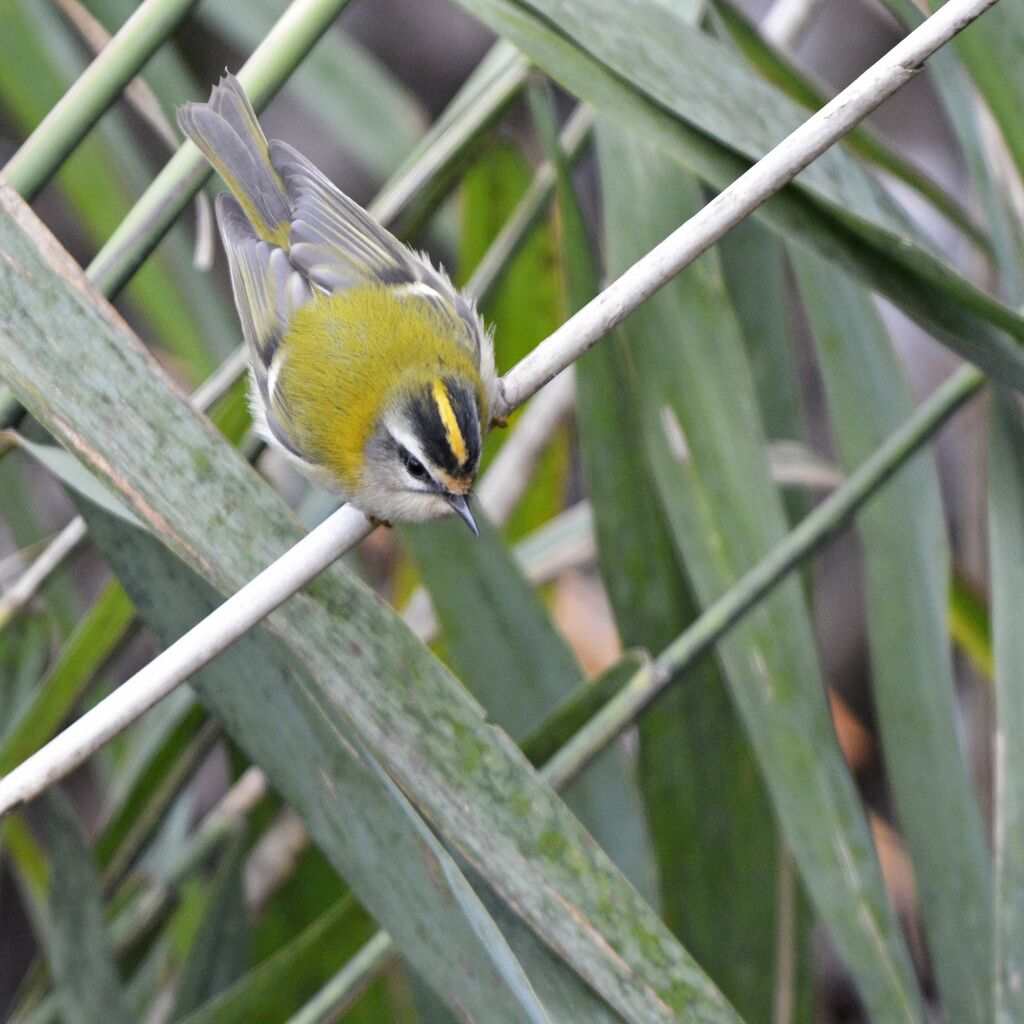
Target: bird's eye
{"x": 414, "y": 467}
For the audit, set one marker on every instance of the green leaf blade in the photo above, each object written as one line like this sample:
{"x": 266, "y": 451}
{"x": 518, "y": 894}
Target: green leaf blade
{"x": 1006, "y": 532}
{"x": 636, "y": 76}
{"x": 907, "y": 582}
{"x": 702, "y": 435}
{"x": 76, "y": 941}
{"x": 370, "y": 677}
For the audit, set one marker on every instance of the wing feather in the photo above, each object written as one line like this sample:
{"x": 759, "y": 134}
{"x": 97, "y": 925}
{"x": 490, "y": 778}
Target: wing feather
{"x": 338, "y": 245}
{"x": 267, "y": 290}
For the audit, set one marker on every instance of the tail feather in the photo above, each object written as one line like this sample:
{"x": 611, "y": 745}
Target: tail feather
{"x": 227, "y": 132}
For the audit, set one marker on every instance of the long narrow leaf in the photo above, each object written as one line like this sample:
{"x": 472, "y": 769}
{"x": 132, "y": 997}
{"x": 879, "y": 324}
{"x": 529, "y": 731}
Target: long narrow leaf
{"x": 508, "y": 652}
{"x": 710, "y": 820}
{"x": 77, "y": 945}
{"x": 1006, "y": 533}
{"x": 637, "y": 76}
{"x": 701, "y": 432}
{"x": 907, "y": 581}
{"x": 423, "y": 899}
{"x": 369, "y": 678}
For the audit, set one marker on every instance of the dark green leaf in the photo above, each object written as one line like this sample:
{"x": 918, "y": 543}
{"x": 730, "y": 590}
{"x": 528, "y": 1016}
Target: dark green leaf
{"x": 219, "y": 954}
{"x": 1006, "y": 533}
{"x": 701, "y": 432}
{"x": 907, "y": 580}
{"x": 76, "y": 942}
{"x": 676, "y": 88}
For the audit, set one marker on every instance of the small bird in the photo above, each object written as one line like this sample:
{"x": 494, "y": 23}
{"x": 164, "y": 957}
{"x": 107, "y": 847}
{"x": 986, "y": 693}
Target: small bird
{"x": 368, "y": 368}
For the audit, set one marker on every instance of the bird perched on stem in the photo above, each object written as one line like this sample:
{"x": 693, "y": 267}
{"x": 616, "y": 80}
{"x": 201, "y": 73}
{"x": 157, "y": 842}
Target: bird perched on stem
{"x": 368, "y": 368}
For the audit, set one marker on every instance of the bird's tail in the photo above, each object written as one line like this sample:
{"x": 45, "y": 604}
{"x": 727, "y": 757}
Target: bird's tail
{"x": 227, "y": 132}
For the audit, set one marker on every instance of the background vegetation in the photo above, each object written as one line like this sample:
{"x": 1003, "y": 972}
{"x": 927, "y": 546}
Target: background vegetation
{"x": 819, "y": 818}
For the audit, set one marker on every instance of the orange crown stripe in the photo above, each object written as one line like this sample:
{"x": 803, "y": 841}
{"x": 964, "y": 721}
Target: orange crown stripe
{"x": 456, "y": 441}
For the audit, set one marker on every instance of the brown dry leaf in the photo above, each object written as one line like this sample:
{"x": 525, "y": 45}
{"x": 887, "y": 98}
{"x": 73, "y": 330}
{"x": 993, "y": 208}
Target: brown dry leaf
{"x": 585, "y": 617}
{"x": 854, "y": 740}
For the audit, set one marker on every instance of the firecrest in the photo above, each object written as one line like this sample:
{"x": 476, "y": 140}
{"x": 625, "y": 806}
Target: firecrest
{"x": 368, "y": 368}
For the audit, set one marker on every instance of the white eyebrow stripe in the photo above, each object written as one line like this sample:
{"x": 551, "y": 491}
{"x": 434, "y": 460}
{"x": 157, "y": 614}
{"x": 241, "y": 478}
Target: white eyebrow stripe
{"x": 409, "y": 442}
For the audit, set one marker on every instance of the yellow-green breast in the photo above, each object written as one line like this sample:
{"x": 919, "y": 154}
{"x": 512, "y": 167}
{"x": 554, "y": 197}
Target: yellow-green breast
{"x": 349, "y": 355}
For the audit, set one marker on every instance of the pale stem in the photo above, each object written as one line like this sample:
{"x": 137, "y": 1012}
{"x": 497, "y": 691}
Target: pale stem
{"x": 741, "y": 198}
{"x": 93, "y": 92}
{"x": 28, "y": 584}
{"x": 513, "y": 467}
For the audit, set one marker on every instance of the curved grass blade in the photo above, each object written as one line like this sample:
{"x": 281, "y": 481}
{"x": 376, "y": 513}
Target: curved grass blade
{"x": 369, "y": 678}
{"x": 698, "y": 90}
{"x": 1006, "y": 532}
{"x": 775, "y": 66}
{"x": 717, "y": 889}
{"x": 76, "y": 942}
{"x": 701, "y": 434}
{"x": 906, "y": 561}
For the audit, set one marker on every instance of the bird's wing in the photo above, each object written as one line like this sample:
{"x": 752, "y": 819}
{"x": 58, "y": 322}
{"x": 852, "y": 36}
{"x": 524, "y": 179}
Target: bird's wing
{"x": 268, "y": 289}
{"x": 337, "y": 245}
{"x": 227, "y": 132}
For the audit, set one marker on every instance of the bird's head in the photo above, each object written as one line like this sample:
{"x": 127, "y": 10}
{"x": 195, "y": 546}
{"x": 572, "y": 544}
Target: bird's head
{"x": 422, "y": 458}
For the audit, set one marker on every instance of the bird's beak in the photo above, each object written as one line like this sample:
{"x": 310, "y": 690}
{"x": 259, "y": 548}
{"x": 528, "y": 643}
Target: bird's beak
{"x": 459, "y": 504}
